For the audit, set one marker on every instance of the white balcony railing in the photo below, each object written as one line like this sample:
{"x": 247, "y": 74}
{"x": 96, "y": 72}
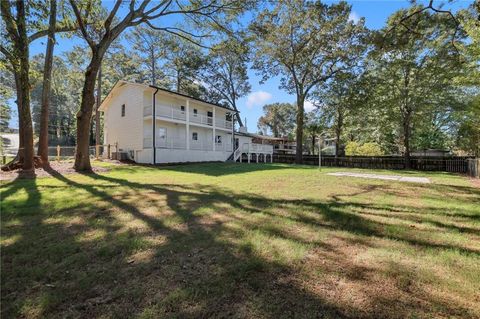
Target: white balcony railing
{"x": 177, "y": 114}
{"x": 166, "y": 112}
{"x": 223, "y": 123}
{"x": 199, "y": 145}
{"x": 201, "y": 119}
{"x": 257, "y": 148}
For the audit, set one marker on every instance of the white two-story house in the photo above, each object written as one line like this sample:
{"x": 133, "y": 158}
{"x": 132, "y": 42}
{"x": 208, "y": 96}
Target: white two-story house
{"x": 154, "y": 125}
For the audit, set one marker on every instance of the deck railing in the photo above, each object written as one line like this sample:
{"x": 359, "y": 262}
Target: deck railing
{"x": 200, "y": 145}
{"x": 257, "y": 148}
{"x": 176, "y": 114}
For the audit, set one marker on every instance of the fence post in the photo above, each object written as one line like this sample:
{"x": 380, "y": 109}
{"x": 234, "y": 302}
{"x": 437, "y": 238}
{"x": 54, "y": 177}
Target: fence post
{"x": 4, "y": 159}
{"x": 58, "y": 153}
{"x": 108, "y": 152}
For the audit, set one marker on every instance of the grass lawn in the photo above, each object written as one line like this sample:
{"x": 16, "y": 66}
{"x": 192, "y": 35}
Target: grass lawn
{"x": 239, "y": 241}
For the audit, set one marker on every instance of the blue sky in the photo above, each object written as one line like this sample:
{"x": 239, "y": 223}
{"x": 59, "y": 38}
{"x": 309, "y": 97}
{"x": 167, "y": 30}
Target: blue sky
{"x": 375, "y": 14}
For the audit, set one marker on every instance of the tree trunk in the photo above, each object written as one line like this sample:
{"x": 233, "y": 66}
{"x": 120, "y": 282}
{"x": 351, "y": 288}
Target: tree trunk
{"x": 84, "y": 115}
{"x": 406, "y": 139}
{"x": 24, "y": 81}
{"x": 97, "y": 111}
{"x": 19, "y": 101}
{"x": 299, "y": 138}
{"x": 338, "y": 133}
{"x": 313, "y": 144}
{"x": 237, "y": 114}
{"x": 153, "y": 66}
{"x": 47, "y": 76}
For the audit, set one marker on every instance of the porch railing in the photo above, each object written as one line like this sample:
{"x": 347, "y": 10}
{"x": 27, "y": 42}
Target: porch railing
{"x": 257, "y": 148}
{"x": 200, "y": 145}
{"x": 177, "y": 114}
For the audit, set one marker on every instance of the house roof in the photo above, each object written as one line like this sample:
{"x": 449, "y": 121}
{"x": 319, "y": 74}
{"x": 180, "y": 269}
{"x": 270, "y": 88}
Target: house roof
{"x": 122, "y": 83}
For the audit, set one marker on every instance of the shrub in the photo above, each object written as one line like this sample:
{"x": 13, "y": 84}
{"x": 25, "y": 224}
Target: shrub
{"x": 367, "y": 149}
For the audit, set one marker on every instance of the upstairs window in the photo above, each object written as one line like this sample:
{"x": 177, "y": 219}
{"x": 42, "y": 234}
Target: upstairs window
{"x": 195, "y": 112}
{"x": 195, "y": 136}
{"x": 123, "y": 110}
{"x": 182, "y": 108}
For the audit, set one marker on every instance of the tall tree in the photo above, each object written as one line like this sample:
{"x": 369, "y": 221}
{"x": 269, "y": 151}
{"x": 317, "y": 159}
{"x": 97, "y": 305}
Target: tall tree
{"x": 182, "y": 64}
{"x": 150, "y": 46}
{"x": 278, "y": 118}
{"x": 21, "y": 26}
{"x": 17, "y": 54}
{"x": 414, "y": 72}
{"x": 112, "y": 27}
{"x": 47, "y": 77}
{"x": 225, "y": 71}
{"x": 305, "y": 43}
{"x": 339, "y": 98}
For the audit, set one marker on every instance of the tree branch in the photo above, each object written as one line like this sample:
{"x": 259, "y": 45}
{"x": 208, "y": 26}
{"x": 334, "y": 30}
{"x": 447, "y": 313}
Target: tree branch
{"x": 81, "y": 25}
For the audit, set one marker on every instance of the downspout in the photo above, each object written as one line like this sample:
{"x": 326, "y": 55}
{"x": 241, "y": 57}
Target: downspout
{"x": 154, "y": 122}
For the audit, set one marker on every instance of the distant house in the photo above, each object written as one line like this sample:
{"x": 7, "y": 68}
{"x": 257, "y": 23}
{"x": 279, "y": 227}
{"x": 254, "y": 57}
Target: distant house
{"x": 154, "y": 125}
{"x": 281, "y": 145}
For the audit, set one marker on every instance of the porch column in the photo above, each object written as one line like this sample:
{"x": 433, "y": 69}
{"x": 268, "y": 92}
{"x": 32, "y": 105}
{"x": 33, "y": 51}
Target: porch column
{"x": 187, "y": 125}
{"x": 214, "y": 135}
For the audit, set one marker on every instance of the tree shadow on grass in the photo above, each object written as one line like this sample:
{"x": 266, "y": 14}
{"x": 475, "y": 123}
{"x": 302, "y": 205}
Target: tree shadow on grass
{"x": 198, "y": 267}
{"x": 223, "y": 169}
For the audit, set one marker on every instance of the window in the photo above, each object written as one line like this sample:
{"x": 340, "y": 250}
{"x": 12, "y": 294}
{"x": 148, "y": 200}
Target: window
{"x": 195, "y": 136}
{"x": 210, "y": 118}
{"x": 123, "y": 110}
{"x": 195, "y": 112}
{"x": 182, "y": 108}
{"x": 218, "y": 139}
{"x": 162, "y": 133}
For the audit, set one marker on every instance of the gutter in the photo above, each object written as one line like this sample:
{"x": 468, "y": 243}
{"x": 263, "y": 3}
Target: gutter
{"x": 154, "y": 124}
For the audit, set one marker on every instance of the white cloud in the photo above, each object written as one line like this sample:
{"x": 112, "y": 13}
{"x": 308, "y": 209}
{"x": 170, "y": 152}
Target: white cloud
{"x": 258, "y": 98}
{"x": 308, "y": 106}
{"x": 353, "y": 16}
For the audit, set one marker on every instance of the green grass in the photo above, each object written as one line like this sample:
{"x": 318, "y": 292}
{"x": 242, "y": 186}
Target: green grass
{"x": 239, "y": 240}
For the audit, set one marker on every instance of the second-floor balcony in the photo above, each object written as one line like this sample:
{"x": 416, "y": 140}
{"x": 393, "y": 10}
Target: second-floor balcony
{"x": 194, "y": 118}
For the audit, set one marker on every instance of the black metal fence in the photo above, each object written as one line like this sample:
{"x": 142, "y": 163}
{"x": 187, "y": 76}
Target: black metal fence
{"x": 455, "y": 164}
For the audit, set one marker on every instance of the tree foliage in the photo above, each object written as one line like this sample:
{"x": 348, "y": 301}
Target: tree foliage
{"x": 278, "y": 119}
{"x": 305, "y": 44}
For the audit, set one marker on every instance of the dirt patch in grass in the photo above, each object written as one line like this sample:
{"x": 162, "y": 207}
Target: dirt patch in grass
{"x": 56, "y": 168}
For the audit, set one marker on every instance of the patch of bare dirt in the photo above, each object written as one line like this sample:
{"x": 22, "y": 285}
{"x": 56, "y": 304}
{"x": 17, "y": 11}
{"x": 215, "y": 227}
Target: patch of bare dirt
{"x": 55, "y": 168}
{"x": 475, "y": 182}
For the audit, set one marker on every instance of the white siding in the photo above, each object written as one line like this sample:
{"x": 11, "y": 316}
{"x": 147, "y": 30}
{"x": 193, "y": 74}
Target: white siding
{"x": 133, "y": 132}
{"x": 127, "y": 130}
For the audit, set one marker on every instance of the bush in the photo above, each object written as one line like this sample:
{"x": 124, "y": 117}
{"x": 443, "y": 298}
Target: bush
{"x": 367, "y": 149}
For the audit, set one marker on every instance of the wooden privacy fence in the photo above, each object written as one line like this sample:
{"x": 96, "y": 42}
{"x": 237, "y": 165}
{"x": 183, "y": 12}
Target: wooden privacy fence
{"x": 473, "y": 167}
{"x": 455, "y": 164}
